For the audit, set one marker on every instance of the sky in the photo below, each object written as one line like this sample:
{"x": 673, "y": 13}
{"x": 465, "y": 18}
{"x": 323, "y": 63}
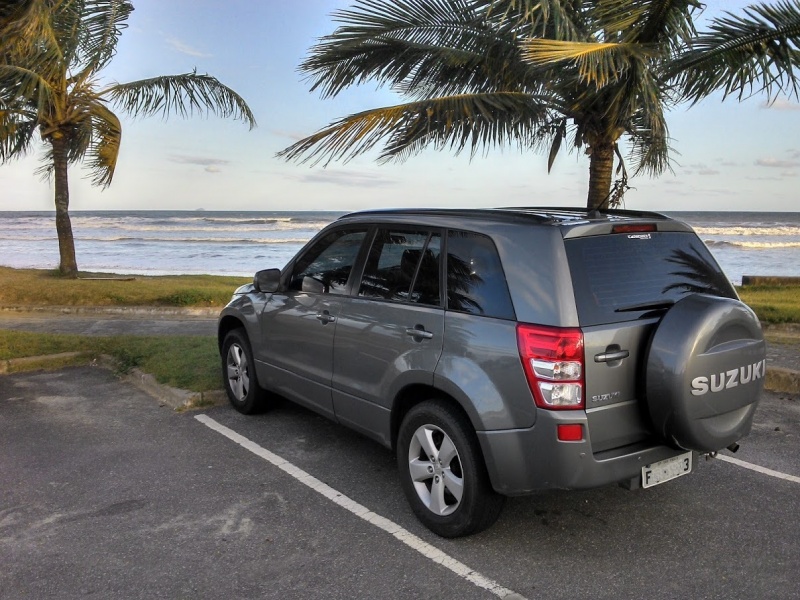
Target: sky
{"x": 727, "y": 155}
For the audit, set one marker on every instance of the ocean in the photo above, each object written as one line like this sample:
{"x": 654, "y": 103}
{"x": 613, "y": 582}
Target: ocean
{"x": 241, "y": 243}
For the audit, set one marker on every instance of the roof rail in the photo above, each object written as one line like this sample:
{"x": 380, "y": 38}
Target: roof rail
{"x": 541, "y": 214}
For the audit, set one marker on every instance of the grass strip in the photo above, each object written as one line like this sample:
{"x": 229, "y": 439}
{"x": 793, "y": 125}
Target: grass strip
{"x": 773, "y": 304}
{"x": 186, "y": 362}
{"x": 36, "y": 287}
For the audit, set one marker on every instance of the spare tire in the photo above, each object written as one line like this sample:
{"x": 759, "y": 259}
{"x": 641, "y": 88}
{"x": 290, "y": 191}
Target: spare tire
{"x": 705, "y": 371}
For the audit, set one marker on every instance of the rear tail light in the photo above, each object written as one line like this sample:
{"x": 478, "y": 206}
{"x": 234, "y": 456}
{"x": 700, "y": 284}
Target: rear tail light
{"x": 553, "y": 361}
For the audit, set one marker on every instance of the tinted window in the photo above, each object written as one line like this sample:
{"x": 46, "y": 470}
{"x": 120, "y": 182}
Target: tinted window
{"x": 403, "y": 266}
{"x": 329, "y": 261}
{"x": 612, "y": 275}
{"x": 475, "y": 279}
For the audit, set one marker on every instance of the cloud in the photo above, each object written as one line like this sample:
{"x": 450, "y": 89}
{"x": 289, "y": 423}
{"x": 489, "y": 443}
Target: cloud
{"x": 213, "y": 169}
{"x": 708, "y": 172}
{"x": 789, "y": 174}
{"x": 203, "y": 161}
{"x": 781, "y": 104}
{"x": 186, "y": 49}
{"x": 346, "y": 178}
{"x": 292, "y": 135}
{"x": 777, "y": 163}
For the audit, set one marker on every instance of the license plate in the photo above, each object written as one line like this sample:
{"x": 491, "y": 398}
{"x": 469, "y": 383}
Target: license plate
{"x": 665, "y": 470}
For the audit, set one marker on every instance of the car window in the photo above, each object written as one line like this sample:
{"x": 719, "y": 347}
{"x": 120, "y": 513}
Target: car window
{"x": 403, "y": 266}
{"x": 475, "y": 280}
{"x": 613, "y": 275}
{"x": 329, "y": 261}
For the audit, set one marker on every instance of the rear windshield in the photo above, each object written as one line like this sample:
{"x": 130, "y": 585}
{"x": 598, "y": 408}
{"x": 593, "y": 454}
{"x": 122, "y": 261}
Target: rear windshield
{"x": 621, "y": 276}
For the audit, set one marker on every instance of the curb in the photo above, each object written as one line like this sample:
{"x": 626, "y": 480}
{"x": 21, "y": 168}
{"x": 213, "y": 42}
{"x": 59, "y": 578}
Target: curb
{"x": 33, "y": 362}
{"x": 786, "y": 381}
{"x": 175, "y": 398}
{"x": 777, "y": 379}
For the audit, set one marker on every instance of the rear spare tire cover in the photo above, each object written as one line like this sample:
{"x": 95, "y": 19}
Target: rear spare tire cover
{"x": 704, "y": 373}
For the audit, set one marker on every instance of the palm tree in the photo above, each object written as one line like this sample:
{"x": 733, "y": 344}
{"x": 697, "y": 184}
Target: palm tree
{"x": 542, "y": 75}
{"x": 49, "y": 84}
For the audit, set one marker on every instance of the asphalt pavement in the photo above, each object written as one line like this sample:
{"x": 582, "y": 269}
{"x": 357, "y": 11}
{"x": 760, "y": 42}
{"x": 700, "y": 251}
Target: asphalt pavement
{"x": 106, "y": 494}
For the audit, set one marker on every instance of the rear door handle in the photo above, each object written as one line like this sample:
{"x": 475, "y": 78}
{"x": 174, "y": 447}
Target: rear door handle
{"x": 611, "y": 356}
{"x": 419, "y": 332}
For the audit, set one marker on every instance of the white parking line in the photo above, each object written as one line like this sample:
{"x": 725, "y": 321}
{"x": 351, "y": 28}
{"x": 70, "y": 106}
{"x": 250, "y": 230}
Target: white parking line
{"x": 759, "y": 469}
{"x": 405, "y": 536}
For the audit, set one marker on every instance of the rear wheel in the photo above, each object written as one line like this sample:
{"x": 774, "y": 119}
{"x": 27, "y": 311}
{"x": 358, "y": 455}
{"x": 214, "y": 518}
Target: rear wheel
{"x": 238, "y": 371}
{"x": 443, "y": 473}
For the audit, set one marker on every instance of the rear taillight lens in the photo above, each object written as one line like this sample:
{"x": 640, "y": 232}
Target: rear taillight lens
{"x": 553, "y": 361}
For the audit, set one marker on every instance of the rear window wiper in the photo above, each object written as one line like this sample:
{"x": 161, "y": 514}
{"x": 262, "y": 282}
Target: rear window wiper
{"x": 662, "y": 305}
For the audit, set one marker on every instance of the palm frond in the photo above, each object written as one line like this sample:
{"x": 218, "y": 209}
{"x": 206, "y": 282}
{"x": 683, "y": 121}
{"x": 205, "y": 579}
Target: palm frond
{"x": 650, "y": 144}
{"x": 598, "y": 63}
{"x": 181, "y": 95}
{"x": 652, "y": 22}
{"x": 456, "y": 122}
{"x": 26, "y": 26}
{"x": 22, "y": 88}
{"x": 17, "y": 130}
{"x": 101, "y": 24}
{"x": 546, "y": 18}
{"x": 665, "y": 22}
{"x": 106, "y": 139}
{"x": 741, "y": 55}
{"x": 441, "y": 46}
{"x": 87, "y": 31}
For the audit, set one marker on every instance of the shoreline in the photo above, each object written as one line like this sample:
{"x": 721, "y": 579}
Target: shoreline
{"x": 240, "y": 243}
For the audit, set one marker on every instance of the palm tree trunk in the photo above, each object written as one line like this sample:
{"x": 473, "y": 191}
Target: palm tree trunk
{"x": 601, "y": 169}
{"x": 66, "y": 244}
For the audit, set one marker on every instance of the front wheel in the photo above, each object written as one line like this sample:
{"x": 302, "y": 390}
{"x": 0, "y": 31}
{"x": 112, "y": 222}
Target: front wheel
{"x": 443, "y": 473}
{"x": 238, "y": 371}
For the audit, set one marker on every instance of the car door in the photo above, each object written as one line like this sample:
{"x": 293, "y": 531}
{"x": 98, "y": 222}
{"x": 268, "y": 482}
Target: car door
{"x": 390, "y": 332}
{"x": 298, "y": 323}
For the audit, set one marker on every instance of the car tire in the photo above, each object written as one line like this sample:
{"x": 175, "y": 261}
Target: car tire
{"x": 442, "y": 471}
{"x": 239, "y": 375}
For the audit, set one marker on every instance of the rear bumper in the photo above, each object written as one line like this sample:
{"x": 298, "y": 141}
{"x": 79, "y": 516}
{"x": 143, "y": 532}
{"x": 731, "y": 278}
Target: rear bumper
{"x": 522, "y": 461}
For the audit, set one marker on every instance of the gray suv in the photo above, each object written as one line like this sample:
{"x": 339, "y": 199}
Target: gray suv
{"x": 500, "y": 352}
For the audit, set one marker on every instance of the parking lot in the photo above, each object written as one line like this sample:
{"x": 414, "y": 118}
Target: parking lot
{"x": 106, "y": 494}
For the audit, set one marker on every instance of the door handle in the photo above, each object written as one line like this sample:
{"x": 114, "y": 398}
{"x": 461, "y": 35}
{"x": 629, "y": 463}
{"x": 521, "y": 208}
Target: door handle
{"x": 325, "y": 317}
{"x": 419, "y": 332}
{"x": 611, "y": 356}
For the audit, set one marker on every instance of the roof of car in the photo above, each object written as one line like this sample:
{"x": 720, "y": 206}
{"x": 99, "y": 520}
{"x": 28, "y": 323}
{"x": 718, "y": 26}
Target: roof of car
{"x": 538, "y": 214}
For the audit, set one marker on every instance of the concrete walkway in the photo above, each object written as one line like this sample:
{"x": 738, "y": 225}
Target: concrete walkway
{"x": 113, "y": 321}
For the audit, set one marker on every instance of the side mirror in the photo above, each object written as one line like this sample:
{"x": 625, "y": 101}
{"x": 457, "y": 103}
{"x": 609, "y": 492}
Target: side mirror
{"x": 267, "y": 281}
